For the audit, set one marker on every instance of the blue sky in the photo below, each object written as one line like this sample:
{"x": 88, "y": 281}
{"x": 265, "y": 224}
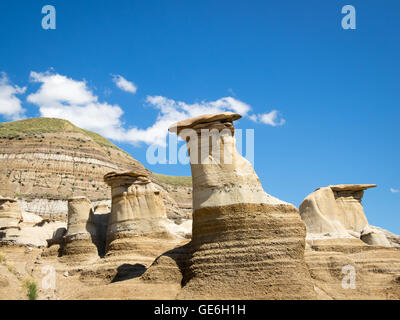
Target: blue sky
{"x": 337, "y": 90}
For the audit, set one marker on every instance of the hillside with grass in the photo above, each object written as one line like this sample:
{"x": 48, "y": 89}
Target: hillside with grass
{"x": 48, "y": 158}
{"x": 39, "y": 126}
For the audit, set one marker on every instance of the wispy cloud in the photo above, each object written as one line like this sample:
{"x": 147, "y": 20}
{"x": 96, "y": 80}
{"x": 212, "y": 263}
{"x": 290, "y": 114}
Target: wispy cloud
{"x": 272, "y": 118}
{"x": 392, "y": 190}
{"x": 10, "y": 104}
{"x": 124, "y": 84}
{"x": 66, "y": 98}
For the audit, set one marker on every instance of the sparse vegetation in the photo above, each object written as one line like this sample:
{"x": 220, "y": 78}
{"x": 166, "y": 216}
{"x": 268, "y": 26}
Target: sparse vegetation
{"x": 183, "y": 181}
{"x": 31, "y": 288}
{"x": 2, "y": 258}
{"x": 41, "y": 126}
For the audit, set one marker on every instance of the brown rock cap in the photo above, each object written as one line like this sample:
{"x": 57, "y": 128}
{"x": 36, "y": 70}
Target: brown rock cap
{"x": 206, "y": 118}
{"x": 352, "y": 187}
{"x": 141, "y": 176}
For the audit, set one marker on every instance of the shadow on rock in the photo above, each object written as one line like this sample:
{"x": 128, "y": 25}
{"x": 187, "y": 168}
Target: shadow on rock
{"x": 129, "y": 271}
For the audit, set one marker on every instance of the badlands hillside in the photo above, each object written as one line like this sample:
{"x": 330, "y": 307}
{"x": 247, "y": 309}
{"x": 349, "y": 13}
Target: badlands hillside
{"x": 82, "y": 219}
{"x": 44, "y": 161}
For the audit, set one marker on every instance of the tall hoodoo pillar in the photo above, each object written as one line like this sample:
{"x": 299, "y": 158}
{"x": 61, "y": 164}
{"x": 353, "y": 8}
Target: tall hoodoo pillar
{"x": 137, "y": 212}
{"x": 246, "y": 243}
{"x": 80, "y": 238}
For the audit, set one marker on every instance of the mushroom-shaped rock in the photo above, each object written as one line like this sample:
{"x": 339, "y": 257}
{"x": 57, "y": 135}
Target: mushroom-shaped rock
{"x": 335, "y": 211}
{"x": 245, "y": 243}
{"x": 137, "y": 214}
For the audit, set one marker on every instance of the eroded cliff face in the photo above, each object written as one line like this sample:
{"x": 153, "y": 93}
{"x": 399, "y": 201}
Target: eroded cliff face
{"x": 53, "y": 159}
{"x": 45, "y": 161}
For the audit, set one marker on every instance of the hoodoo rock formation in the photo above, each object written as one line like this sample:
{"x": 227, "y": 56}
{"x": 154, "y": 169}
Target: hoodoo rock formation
{"x": 337, "y": 212}
{"x": 80, "y": 238}
{"x": 245, "y": 243}
{"x": 339, "y": 241}
{"x": 137, "y": 213}
{"x": 10, "y": 216}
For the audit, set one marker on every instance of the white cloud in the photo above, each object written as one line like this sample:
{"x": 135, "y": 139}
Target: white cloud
{"x": 10, "y": 105}
{"x": 171, "y": 111}
{"x": 124, "y": 84}
{"x": 65, "y": 98}
{"x": 272, "y": 118}
{"x": 392, "y": 190}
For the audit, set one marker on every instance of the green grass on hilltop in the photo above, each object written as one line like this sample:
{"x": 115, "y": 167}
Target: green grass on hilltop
{"x": 174, "y": 180}
{"x": 39, "y": 126}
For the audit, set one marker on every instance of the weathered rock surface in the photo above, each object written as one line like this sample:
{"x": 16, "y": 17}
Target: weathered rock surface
{"x": 137, "y": 210}
{"x": 341, "y": 245}
{"x": 10, "y": 217}
{"x": 80, "y": 238}
{"x": 333, "y": 262}
{"x": 245, "y": 243}
{"x": 337, "y": 212}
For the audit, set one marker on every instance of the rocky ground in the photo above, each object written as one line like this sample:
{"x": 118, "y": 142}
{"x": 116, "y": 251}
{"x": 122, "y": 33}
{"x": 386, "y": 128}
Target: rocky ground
{"x": 245, "y": 243}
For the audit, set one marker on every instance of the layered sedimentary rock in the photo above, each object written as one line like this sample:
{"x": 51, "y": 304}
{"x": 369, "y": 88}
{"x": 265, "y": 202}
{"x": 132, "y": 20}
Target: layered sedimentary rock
{"x": 46, "y": 158}
{"x": 10, "y": 217}
{"x": 245, "y": 243}
{"x": 348, "y": 268}
{"x": 137, "y": 213}
{"x": 80, "y": 238}
{"x": 347, "y": 258}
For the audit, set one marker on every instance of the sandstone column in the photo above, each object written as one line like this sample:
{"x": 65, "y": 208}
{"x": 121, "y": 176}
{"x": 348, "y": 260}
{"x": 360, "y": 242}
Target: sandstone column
{"x": 137, "y": 214}
{"x": 246, "y": 243}
{"x": 80, "y": 238}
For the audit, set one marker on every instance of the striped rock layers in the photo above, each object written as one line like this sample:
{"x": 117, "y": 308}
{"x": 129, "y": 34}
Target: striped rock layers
{"x": 10, "y": 216}
{"x": 245, "y": 243}
{"x": 80, "y": 238}
{"x": 137, "y": 214}
{"x": 347, "y": 258}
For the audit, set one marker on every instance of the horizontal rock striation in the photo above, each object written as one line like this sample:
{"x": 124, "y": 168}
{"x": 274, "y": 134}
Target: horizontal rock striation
{"x": 245, "y": 243}
{"x": 137, "y": 213}
{"x": 341, "y": 245}
{"x": 332, "y": 262}
{"x": 53, "y": 159}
